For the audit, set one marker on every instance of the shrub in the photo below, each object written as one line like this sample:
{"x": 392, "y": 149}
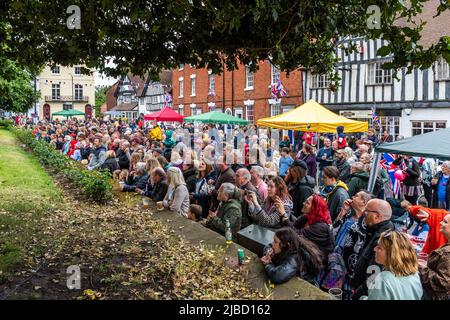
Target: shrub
{"x": 95, "y": 185}
{"x": 6, "y": 123}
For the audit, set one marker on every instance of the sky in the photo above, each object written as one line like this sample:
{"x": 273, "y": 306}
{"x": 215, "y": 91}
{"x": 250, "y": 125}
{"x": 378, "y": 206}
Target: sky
{"x": 103, "y": 80}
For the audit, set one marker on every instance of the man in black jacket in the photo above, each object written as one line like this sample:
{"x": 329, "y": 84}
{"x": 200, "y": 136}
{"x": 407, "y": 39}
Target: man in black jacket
{"x": 301, "y": 189}
{"x": 411, "y": 184}
{"x": 139, "y": 181}
{"x": 341, "y": 163}
{"x": 377, "y": 215}
{"x": 123, "y": 155}
{"x": 157, "y": 189}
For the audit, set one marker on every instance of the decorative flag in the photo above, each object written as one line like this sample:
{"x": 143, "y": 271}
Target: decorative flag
{"x": 375, "y": 118}
{"x": 386, "y": 162}
{"x": 167, "y": 99}
{"x": 278, "y": 90}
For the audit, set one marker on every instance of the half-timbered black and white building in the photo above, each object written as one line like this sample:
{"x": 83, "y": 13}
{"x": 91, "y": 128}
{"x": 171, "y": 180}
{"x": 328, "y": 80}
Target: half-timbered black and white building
{"x": 414, "y": 103}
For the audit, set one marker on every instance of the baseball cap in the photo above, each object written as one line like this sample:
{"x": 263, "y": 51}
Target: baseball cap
{"x": 300, "y": 163}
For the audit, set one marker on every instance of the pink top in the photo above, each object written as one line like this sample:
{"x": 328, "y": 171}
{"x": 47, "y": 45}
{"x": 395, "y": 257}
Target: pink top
{"x": 262, "y": 189}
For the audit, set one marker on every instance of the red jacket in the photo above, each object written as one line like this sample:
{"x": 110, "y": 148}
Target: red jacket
{"x": 435, "y": 239}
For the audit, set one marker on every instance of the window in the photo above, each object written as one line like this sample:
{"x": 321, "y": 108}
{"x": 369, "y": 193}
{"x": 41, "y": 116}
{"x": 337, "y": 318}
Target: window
{"x": 181, "y": 88}
{"x": 67, "y": 106}
{"x": 154, "y": 99}
{"x": 197, "y": 111}
{"x": 181, "y": 66}
{"x": 250, "y": 113}
{"x": 78, "y": 92}
{"x": 275, "y": 74}
{"x": 420, "y": 127}
{"x": 55, "y": 70}
{"x": 320, "y": 81}
{"x": 248, "y": 79}
{"x": 442, "y": 69}
{"x": 56, "y": 91}
{"x": 78, "y": 71}
{"x": 181, "y": 111}
{"x": 274, "y": 110}
{"x": 193, "y": 87}
{"x": 211, "y": 83}
{"x": 377, "y": 75}
{"x": 127, "y": 98}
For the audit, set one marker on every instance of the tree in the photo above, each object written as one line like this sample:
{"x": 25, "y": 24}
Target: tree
{"x": 100, "y": 97}
{"x": 149, "y": 35}
{"x": 17, "y": 94}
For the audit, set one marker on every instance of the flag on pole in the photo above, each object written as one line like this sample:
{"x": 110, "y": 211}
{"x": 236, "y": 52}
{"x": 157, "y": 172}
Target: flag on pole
{"x": 386, "y": 162}
{"x": 278, "y": 90}
{"x": 375, "y": 118}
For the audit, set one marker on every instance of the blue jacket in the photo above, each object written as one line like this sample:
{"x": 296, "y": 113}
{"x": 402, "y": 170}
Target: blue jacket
{"x": 284, "y": 165}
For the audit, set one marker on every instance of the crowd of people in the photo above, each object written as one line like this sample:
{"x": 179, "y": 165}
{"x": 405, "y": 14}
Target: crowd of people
{"x": 329, "y": 229}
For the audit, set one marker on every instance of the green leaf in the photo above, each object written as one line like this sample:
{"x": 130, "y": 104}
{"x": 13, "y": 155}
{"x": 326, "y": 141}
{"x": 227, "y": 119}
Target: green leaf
{"x": 384, "y": 51}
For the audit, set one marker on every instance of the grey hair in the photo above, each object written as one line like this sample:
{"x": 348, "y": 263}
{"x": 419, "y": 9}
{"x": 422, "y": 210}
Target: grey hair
{"x": 245, "y": 174}
{"x": 229, "y": 188}
{"x": 140, "y": 168}
{"x": 126, "y": 143}
{"x": 259, "y": 171}
{"x": 359, "y": 166}
{"x": 367, "y": 196}
{"x": 446, "y": 164}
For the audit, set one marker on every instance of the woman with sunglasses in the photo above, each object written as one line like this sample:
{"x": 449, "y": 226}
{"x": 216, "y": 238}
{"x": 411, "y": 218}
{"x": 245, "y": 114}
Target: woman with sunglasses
{"x": 399, "y": 278}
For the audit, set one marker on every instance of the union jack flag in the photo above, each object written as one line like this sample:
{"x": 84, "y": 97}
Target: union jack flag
{"x": 375, "y": 118}
{"x": 278, "y": 90}
{"x": 386, "y": 162}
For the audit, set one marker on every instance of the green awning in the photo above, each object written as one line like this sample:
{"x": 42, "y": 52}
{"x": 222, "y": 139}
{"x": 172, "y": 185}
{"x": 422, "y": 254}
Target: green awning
{"x": 68, "y": 113}
{"x": 216, "y": 117}
{"x": 429, "y": 145}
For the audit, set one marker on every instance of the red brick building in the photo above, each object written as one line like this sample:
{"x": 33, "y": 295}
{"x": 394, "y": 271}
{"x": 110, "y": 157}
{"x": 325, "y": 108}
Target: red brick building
{"x": 239, "y": 92}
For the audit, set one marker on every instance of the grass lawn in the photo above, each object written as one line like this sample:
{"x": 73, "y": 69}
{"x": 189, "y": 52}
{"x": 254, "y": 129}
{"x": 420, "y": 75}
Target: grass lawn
{"x": 122, "y": 251}
{"x": 26, "y": 192}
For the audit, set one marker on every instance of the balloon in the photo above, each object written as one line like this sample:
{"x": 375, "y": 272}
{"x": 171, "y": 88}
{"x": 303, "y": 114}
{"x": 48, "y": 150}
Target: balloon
{"x": 399, "y": 175}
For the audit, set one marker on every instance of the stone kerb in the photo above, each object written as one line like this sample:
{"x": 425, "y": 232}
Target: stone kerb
{"x": 195, "y": 233}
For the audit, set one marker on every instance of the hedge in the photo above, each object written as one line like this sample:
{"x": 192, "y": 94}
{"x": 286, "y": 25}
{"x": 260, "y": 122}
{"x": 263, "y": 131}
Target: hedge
{"x": 6, "y": 123}
{"x": 95, "y": 185}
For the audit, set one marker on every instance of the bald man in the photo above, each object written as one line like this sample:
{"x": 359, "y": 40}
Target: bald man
{"x": 377, "y": 215}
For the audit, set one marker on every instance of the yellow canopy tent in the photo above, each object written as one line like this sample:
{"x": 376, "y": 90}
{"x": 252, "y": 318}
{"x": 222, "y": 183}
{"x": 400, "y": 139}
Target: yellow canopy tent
{"x": 312, "y": 117}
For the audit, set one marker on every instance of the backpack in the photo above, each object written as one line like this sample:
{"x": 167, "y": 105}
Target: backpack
{"x": 334, "y": 275}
